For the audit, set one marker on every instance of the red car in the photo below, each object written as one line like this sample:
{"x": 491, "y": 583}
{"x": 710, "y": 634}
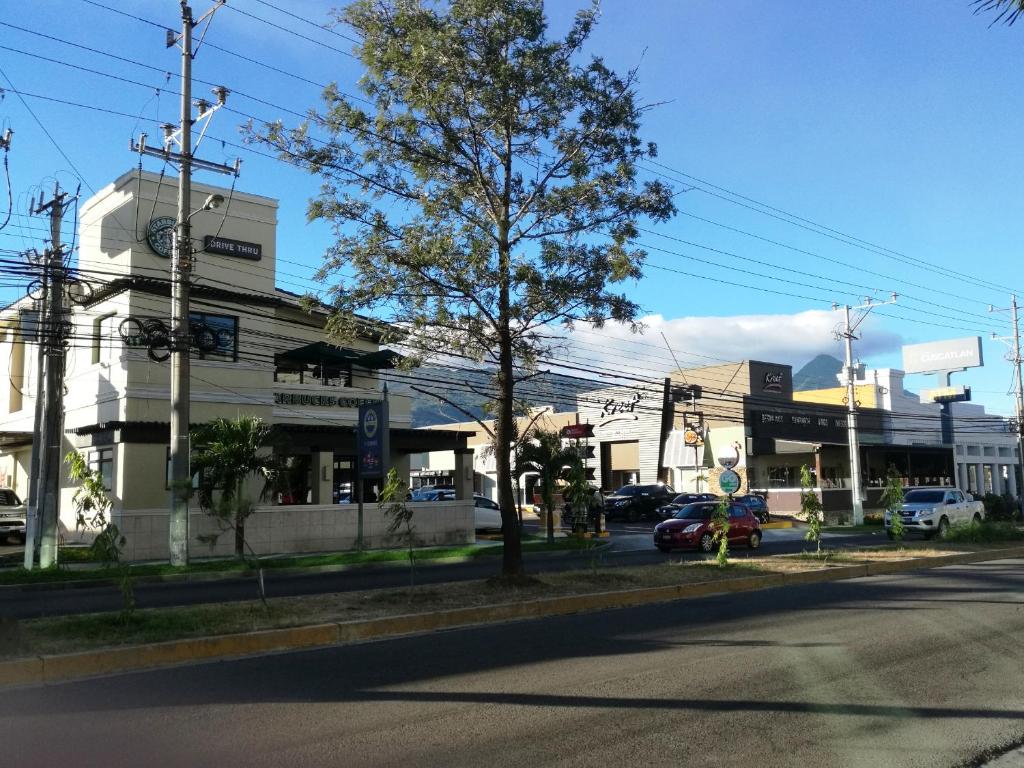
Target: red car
{"x": 691, "y": 527}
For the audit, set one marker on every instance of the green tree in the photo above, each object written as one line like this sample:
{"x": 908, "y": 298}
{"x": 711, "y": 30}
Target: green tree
{"x": 720, "y": 522}
{"x": 892, "y": 501}
{"x": 1007, "y": 11}
{"x": 391, "y": 502}
{"x": 488, "y": 194}
{"x": 225, "y": 454}
{"x": 544, "y": 454}
{"x": 92, "y": 507}
{"x": 810, "y": 505}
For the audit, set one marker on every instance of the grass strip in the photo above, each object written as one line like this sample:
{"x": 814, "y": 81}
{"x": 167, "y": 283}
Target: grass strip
{"x": 58, "y": 574}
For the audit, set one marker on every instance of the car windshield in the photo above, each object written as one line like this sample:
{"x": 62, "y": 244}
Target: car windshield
{"x": 695, "y": 512}
{"x": 924, "y": 497}
{"x": 683, "y": 498}
{"x": 629, "y": 490}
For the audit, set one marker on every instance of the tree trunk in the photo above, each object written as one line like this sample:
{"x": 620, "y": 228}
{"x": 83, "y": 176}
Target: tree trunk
{"x": 239, "y": 523}
{"x": 512, "y": 555}
{"x": 549, "y": 502}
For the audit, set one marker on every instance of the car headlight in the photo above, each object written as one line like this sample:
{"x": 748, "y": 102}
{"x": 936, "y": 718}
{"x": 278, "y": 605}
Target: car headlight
{"x": 692, "y": 528}
{"x": 924, "y": 513}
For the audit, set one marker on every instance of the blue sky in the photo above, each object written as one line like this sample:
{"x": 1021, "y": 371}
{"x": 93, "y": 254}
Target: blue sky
{"x": 896, "y": 124}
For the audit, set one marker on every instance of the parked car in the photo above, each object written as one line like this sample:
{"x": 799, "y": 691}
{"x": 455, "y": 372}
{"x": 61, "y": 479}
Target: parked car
{"x": 756, "y": 504}
{"x": 667, "y": 510}
{"x": 635, "y": 502}
{"x": 431, "y": 493}
{"x": 691, "y": 526}
{"x": 932, "y": 511}
{"x": 12, "y": 516}
{"x": 487, "y": 513}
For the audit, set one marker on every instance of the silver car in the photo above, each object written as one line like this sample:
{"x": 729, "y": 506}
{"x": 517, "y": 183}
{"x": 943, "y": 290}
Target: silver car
{"x": 12, "y": 516}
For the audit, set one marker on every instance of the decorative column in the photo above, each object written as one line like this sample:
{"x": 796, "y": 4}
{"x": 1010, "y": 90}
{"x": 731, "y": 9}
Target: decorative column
{"x": 1011, "y": 480}
{"x": 997, "y": 479}
{"x": 323, "y": 477}
{"x": 963, "y": 478}
{"x": 463, "y": 473}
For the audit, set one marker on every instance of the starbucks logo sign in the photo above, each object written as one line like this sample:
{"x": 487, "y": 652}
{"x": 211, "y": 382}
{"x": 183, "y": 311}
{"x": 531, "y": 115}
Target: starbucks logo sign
{"x": 160, "y": 235}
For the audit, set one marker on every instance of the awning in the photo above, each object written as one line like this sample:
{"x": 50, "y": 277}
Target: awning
{"x": 318, "y": 353}
{"x": 382, "y": 358}
{"x": 322, "y": 353}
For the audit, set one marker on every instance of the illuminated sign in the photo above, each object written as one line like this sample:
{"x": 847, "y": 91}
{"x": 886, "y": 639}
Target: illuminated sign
{"x": 947, "y": 395}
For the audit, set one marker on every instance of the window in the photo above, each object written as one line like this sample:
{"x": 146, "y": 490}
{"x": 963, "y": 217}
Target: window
{"x": 102, "y": 460}
{"x": 167, "y": 474}
{"x": 105, "y": 335}
{"x": 216, "y": 336}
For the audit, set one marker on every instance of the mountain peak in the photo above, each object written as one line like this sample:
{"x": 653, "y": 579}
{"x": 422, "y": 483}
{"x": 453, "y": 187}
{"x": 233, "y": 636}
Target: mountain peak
{"x": 819, "y": 373}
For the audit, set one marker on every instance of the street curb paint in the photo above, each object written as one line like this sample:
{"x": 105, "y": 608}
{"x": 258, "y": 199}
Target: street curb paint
{"x": 75, "y": 666}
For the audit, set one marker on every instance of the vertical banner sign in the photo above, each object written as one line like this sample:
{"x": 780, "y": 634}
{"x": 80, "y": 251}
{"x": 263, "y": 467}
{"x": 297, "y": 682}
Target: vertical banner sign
{"x": 372, "y": 439}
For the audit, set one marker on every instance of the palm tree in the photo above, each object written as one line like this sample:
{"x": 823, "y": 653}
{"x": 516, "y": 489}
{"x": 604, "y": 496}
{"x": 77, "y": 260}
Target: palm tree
{"x": 228, "y": 452}
{"x": 543, "y": 453}
{"x": 1008, "y": 10}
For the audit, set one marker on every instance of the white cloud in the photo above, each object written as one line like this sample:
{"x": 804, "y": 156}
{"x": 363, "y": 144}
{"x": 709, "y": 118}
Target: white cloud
{"x": 697, "y": 341}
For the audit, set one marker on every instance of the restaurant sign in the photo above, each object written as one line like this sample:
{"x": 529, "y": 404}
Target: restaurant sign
{"x": 330, "y": 401}
{"x": 372, "y": 438}
{"x": 236, "y": 248}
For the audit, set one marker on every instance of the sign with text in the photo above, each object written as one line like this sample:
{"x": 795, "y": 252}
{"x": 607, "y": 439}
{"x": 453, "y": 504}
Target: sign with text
{"x": 947, "y": 395}
{"x": 577, "y": 431}
{"x": 236, "y": 248}
{"x": 939, "y": 356}
{"x": 372, "y": 439}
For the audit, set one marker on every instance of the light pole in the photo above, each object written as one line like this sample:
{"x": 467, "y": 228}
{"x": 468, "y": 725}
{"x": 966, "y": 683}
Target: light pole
{"x": 848, "y": 335}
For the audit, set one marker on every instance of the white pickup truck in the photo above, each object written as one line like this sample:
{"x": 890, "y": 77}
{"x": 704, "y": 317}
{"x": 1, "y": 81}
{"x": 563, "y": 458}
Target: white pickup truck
{"x": 932, "y": 510}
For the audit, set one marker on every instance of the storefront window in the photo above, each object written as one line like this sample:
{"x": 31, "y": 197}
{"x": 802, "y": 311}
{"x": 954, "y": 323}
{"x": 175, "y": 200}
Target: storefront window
{"x": 102, "y": 460}
{"x": 782, "y": 477}
{"x": 220, "y": 335}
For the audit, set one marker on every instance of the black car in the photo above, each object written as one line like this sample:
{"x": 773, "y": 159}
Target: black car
{"x": 667, "y": 510}
{"x": 756, "y": 504}
{"x": 636, "y": 502}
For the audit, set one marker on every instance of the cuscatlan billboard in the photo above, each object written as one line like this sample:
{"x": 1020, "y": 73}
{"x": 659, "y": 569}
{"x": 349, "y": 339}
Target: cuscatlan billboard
{"x": 940, "y": 356}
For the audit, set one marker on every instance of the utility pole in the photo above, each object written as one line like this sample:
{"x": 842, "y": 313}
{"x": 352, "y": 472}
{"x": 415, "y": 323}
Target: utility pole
{"x": 35, "y": 487}
{"x": 1018, "y": 384}
{"x": 181, "y": 269}
{"x": 848, "y": 334}
{"x": 52, "y": 429}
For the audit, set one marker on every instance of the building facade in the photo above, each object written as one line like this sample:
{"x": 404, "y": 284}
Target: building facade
{"x": 256, "y": 351}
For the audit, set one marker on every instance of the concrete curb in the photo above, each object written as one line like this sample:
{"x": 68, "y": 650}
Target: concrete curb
{"x": 75, "y": 666}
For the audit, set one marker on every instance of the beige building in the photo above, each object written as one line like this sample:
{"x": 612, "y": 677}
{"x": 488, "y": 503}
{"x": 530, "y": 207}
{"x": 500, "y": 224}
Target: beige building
{"x": 258, "y": 353}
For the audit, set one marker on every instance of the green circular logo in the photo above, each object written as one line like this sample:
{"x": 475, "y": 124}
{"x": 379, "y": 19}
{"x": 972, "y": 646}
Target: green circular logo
{"x": 729, "y": 482}
{"x": 160, "y": 235}
{"x": 370, "y": 424}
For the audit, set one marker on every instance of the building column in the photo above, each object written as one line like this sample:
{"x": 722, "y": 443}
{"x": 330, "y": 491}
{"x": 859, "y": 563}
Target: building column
{"x": 463, "y": 479}
{"x": 323, "y": 477}
{"x": 1011, "y": 480}
{"x": 997, "y": 479}
{"x": 962, "y": 477}
{"x": 979, "y": 479}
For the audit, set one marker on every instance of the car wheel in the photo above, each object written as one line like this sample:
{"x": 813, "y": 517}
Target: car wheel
{"x": 663, "y": 548}
{"x": 755, "y": 540}
{"x": 632, "y": 516}
{"x": 943, "y": 528}
{"x": 977, "y": 519}
{"x": 707, "y": 543}
{"x": 20, "y": 537}
{"x": 890, "y": 534}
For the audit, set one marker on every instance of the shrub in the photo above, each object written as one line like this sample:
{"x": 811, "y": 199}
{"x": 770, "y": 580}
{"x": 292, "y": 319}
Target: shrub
{"x": 998, "y": 507}
{"x": 984, "y": 533}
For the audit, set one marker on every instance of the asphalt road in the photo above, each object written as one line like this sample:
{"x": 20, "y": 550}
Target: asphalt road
{"x": 632, "y": 545}
{"x": 915, "y": 670}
